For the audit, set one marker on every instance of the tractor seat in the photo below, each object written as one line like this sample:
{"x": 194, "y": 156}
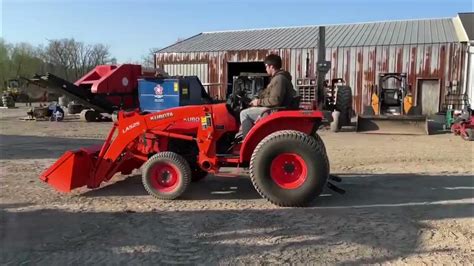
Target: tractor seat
{"x": 294, "y": 105}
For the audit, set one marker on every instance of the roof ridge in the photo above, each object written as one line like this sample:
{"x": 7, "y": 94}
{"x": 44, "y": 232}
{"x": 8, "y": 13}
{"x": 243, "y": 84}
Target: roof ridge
{"x": 326, "y": 25}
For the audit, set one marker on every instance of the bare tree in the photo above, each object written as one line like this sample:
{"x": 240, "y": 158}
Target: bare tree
{"x": 148, "y": 60}
{"x": 75, "y": 58}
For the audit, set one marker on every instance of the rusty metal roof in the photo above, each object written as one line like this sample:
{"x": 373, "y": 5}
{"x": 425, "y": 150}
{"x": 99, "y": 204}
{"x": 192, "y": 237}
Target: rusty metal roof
{"x": 425, "y": 31}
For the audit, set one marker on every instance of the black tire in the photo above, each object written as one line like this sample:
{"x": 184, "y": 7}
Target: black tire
{"x": 74, "y": 108}
{"x": 469, "y": 135}
{"x": 181, "y": 172}
{"x": 344, "y": 105}
{"x": 320, "y": 143}
{"x": 309, "y": 149}
{"x": 90, "y": 115}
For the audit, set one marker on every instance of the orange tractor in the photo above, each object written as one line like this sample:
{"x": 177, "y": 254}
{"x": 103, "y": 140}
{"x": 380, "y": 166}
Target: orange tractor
{"x": 286, "y": 158}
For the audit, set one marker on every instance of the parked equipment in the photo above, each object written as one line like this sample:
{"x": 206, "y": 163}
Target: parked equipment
{"x": 287, "y": 159}
{"x": 102, "y": 91}
{"x": 156, "y": 94}
{"x": 337, "y": 99}
{"x": 391, "y": 110}
{"x": 463, "y": 122}
{"x": 109, "y": 88}
{"x": 51, "y": 112}
{"x": 333, "y": 98}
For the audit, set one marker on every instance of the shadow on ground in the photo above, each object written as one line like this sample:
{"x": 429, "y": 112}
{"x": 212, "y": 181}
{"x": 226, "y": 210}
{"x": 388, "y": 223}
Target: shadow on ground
{"x": 381, "y": 218}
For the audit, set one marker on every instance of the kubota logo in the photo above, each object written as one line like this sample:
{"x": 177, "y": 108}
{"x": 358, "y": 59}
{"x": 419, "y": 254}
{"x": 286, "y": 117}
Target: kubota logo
{"x": 130, "y": 127}
{"x": 161, "y": 116}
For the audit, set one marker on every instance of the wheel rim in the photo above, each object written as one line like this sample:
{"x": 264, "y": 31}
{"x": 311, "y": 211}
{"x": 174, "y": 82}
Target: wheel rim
{"x": 164, "y": 177}
{"x": 288, "y": 170}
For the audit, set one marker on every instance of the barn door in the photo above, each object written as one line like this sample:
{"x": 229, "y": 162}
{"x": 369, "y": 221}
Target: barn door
{"x": 428, "y": 96}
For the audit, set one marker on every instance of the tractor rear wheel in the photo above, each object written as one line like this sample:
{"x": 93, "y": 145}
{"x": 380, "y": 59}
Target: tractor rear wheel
{"x": 289, "y": 168}
{"x": 166, "y": 175}
{"x": 344, "y": 105}
{"x": 320, "y": 143}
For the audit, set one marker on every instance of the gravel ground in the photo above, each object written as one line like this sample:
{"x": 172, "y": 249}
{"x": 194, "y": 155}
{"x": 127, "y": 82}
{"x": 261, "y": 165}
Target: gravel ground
{"x": 409, "y": 200}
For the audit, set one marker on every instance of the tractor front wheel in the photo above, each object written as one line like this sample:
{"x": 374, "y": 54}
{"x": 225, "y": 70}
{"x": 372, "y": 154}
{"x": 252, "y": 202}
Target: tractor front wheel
{"x": 289, "y": 168}
{"x": 166, "y": 175}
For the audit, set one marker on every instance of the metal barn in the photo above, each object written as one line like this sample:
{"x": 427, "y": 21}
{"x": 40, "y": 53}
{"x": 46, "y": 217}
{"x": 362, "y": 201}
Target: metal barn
{"x": 431, "y": 51}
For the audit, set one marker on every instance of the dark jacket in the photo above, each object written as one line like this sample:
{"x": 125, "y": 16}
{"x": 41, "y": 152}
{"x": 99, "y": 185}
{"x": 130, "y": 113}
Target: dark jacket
{"x": 279, "y": 91}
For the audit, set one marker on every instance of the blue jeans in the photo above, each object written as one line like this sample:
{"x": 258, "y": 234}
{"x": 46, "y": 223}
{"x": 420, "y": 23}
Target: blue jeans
{"x": 248, "y": 118}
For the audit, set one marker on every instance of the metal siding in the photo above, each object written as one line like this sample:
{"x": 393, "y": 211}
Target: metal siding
{"x": 435, "y": 64}
{"x": 420, "y": 52}
{"x": 359, "y": 66}
{"x": 357, "y": 87}
{"x": 470, "y": 74}
{"x": 392, "y": 57}
{"x": 352, "y": 71}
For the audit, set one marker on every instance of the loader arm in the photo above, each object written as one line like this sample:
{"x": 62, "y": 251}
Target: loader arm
{"x": 134, "y": 137}
{"x": 131, "y": 126}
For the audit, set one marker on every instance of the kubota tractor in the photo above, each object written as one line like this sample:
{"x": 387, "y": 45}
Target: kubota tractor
{"x": 286, "y": 158}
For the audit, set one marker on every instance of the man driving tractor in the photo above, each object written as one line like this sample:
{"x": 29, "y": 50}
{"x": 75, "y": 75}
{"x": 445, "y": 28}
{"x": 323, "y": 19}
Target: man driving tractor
{"x": 278, "y": 93}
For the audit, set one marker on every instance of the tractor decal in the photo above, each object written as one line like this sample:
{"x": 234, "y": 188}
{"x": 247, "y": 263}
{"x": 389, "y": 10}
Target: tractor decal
{"x": 158, "y": 91}
{"x": 161, "y": 116}
{"x": 130, "y": 127}
{"x": 192, "y": 119}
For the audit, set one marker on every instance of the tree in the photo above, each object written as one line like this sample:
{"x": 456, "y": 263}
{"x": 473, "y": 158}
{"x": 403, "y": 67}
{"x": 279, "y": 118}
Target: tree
{"x": 148, "y": 60}
{"x": 73, "y": 59}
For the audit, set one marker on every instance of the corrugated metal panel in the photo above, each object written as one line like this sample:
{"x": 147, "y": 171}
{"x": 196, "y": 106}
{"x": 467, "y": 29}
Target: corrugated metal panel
{"x": 199, "y": 70}
{"x": 363, "y": 34}
{"x": 359, "y": 66}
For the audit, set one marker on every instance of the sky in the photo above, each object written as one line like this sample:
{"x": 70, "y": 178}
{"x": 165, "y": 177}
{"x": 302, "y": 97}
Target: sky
{"x": 132, "y": 28}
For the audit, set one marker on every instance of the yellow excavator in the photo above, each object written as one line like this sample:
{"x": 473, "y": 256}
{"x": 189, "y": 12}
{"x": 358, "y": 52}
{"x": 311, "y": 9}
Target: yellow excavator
{"x": 392, "y": 110}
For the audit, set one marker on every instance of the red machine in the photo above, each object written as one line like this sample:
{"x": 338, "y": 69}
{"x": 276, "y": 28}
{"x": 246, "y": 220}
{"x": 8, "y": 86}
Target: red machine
{"x": 103, "y": 90}
{"x": 286, "y": 158}
{"x": 463, "y": 125}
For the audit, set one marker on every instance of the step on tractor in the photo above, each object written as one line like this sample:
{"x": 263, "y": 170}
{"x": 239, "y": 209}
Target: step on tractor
{"x": 285, "y": 157}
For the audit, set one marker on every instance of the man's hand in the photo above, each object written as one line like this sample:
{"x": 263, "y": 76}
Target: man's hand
{"x": 254, "y": 102}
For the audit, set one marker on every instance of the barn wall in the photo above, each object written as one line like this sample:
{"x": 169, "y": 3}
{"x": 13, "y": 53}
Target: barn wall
{"x": 358, "y": 66}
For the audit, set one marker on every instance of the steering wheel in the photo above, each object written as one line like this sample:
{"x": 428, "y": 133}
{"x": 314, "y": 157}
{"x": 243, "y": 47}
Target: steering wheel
{"x": 238, "y": 101}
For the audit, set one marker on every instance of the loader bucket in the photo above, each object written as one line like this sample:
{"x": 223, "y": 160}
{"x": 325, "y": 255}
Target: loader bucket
{"x": 397, "y": 125}
{"x": 72, "y": 170}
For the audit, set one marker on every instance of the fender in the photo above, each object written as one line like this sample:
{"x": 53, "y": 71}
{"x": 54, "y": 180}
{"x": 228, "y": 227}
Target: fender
{"x": 301, "y": 120}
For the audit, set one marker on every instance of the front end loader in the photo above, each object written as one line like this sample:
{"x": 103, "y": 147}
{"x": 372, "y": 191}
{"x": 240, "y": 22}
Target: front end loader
{"x": 287, "y": 160}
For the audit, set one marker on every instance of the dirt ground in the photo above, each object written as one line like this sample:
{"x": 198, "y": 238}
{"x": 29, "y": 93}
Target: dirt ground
{"x": 409, "y": 200}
